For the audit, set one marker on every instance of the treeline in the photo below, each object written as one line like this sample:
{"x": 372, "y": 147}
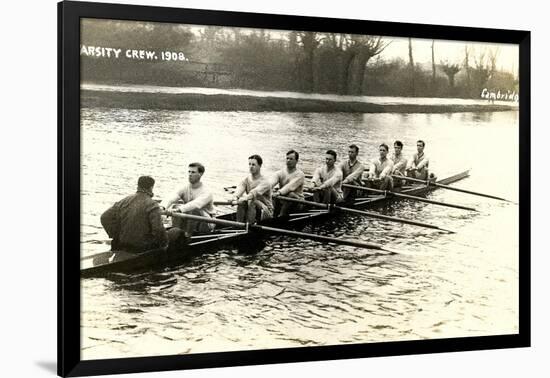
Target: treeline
{"x": 288, "y": 61}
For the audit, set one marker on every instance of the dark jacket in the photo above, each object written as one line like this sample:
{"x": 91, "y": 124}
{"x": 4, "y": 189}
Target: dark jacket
{"x": 135, "y": 224}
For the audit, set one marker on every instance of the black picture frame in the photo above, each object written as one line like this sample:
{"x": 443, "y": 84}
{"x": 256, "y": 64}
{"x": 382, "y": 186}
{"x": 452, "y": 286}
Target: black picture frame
{"x": 69, "y": 15}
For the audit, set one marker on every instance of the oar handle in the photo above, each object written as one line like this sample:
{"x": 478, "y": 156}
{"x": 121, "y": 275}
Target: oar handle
{"x": 198, "y": 218}
{"x": 225, "y": 203}
{"x": 303, "y": 202}
{"x": 350, "y": 186}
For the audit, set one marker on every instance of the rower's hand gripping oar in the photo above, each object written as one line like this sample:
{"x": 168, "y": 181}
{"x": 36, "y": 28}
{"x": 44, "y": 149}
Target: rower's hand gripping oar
{"x": 281, "y": 231}
{"x": 365, "y": 213}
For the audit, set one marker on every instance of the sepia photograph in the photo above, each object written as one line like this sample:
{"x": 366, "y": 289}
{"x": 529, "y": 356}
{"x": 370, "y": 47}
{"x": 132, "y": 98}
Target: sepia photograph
{"x": 251, "y": 189}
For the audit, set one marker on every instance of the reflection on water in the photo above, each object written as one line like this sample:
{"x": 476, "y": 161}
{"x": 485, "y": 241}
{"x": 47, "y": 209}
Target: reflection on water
{"x": 284, "y": 292}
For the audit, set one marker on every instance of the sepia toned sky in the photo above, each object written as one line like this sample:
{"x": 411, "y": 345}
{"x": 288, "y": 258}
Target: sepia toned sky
{"x": 453, "y": 51}
{"x": 445, "y": 50}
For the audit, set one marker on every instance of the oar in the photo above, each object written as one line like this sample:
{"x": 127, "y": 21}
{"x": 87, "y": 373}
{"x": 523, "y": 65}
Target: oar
{"x": 305, "y": 235}
{"x": 221, "y": 222}
{"x": 327, "y": 239}
{"x": 452, "y": 188}
{"x": 366, "y": 213}
{"x": 408, "y": 196}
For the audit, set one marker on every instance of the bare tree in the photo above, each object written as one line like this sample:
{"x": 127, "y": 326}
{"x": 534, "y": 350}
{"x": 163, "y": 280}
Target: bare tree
{"x": 366, "y": 47}
{"x": 483, "y": 70}
{"x": 411, "y": 67}
{"x": 352, "y": 53}
{"x": 309, "y": 41}
{"x": 468, "y": 69}
{"x": 433, "y": 65}
{"x": 450, "y": 70}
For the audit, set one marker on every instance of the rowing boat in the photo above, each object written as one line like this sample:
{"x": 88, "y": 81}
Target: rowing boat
{"x": 122, "y": 261}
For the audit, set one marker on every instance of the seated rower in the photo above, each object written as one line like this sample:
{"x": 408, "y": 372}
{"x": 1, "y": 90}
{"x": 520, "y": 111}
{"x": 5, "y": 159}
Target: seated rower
{"x": 253, "y": 194}
{"x": 327, "y": 181}
{"x": 399, "y": 163}
{"x": 418, "y": 165}
{"x": 197, "y": 200}
{"x": 134, "y": 223}
{"x": 352, "y": 173}
{"x": 380, "y": 171}
{"x": 291, "y": 184}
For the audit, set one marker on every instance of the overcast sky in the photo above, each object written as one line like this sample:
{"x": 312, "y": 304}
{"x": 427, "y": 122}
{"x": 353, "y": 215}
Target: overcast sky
{"x": 445, "y": 50}
{"x": 453, "y": 51}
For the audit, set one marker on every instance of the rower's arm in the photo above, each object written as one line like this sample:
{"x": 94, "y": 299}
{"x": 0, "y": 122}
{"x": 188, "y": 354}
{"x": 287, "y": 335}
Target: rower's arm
{"x": 372, "y": 170}
{"x": 274, "y": 180}
{"x": 387, "y": 171}
{"x": 316, "y": 179}
{"x": 293, "y": 184}
{"x": 355, "y": 175}
{"x": 172, "y": 200}
{"x": 410, "y": 163}
{"x": 336, "y": 177}
{"x": 157, "y": 228}
{"x": 241, "y": 188}
{"x": 423, "y": 163}
{"x": 198, "y": 203}
{"x": 400, "y": 165}
{"x": 262, "y": 188}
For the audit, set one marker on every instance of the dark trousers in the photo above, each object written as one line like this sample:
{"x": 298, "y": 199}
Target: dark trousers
{"x": 253, "y": 211}
{"x": 328, "y": 196}
{"x": 283, "y": 208}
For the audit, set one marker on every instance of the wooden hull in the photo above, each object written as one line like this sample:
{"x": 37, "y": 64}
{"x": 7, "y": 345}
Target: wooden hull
{"x": 121, "y": 261}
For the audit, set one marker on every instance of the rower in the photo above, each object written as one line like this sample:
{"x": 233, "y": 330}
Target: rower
{"x": 399, "y": 163}
{"x": 134, "y": 223}
{"x": 327, "y": 181}
{"x": 418, "y": 165}
{"x": 197, "y": 200}
{"x": 253, "y": 194}
{"x": 380, "y": 170}
{"x": 352, "y": 172}
{"x": 291, "y": 184}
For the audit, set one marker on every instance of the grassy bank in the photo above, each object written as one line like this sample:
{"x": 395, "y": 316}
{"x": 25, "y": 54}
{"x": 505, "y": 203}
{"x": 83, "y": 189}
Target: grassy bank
{"x": 202, "y": 102}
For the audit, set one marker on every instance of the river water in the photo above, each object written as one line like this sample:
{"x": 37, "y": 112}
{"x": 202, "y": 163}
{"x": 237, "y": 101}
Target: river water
{"x": 296, "y": 292}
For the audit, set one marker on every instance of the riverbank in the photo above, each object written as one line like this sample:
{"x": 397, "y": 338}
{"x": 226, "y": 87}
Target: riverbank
{"x": 223, "y": 102}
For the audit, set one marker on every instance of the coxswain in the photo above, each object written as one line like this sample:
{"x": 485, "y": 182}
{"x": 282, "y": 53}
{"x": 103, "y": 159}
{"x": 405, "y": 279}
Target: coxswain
{"x": 134, "y": 223}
